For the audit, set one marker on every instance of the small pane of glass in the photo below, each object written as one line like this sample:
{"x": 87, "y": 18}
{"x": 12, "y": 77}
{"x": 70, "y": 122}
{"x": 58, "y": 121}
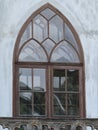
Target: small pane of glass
{"x": 32, "y": 52}
{"x": 26, "y": 35}
{"x": 73, "y": 104}
{"x": 39, "y": 80}
{"x": 40, "y": 28}
{"x": 73, "y": 80}
{"x": 73, "y": 99}
{"x": 59, "y": 104}
{"x": 25, "y": 103}
{"x": 59, "y": 80}
{"x": 39, "y": 103}
{"x": 25, "y": 79}
{"x": 48, "y": 45}
{"x": 70, "y": 37}
{"x": 73, "y": 110}
{"x": 47, "y": 13}
{"x": 64, "y": 53}
{"x": 56, "y": 29}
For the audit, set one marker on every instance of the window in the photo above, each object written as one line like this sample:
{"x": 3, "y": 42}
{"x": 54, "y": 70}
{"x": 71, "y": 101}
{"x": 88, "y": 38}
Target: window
{"x": 48, "y": 67}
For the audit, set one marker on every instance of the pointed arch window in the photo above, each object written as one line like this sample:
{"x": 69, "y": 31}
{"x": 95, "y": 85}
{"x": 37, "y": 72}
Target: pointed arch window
{"x": 48, "y": 67}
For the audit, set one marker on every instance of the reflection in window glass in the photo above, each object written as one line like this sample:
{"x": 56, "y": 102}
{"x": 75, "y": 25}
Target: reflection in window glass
{"x": 39, "y": 81}
{"x": 64, "y": 53}
{"x": 40, "y": 28}
{"x": 59, "y": 80}
{"x": 70, "y": 37}
{"x": 56, "y": 28}
{"x": 48, "y": 13}
{"x": 65, "y": 92}
{"x": 25, "y": 103}
{"x": 73, "y": 80}
{"x": 32, "y": 52}
{"x": 48, "y": 45}
{"x": 25, "y": 79}
{"x": 26, "y": 35}
{"x": 39, "y": 103}
{"x": 73, "y": 104}
{"x": 39, "y": 84}
{"x": 59, "y": 104}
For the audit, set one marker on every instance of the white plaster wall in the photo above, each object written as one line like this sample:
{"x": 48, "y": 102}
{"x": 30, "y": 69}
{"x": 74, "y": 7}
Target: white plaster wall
{"x": 83, "y": 16}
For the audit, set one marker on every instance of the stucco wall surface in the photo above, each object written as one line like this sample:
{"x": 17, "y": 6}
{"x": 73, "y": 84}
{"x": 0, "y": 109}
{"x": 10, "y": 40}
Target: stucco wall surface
{"x": 83, "y": 15}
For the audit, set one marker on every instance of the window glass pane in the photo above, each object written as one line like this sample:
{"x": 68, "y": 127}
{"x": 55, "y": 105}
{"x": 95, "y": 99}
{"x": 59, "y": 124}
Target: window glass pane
{"x": 65, "y": 53}
{"x": 25, "y": 79}
{"x": 25, "y": 103}
{"x": 59, "y": 80}
{"x": 26, "y": 35}
{"x": 48, "y": 45}
{"x": 73, "y": 80}
{"x": 56, "y": 29}
{"x": 59, "y": 104}
{"x": 73, "y": 104}
{"x": 73, "y": 110}
{"x": 70, "y": 37}
{"x": 39, "y": 80}
{"x": 39, "y": 103}
{"x": 40, "y": 31}
{"x": 47, "y": 13}
{"x": 32, "y": 52}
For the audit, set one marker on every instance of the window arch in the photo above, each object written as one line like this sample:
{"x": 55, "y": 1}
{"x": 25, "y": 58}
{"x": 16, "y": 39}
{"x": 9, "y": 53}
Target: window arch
{"x": 48, "y": 67}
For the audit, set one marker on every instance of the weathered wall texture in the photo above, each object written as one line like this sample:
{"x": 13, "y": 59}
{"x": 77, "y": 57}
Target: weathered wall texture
{"x": 83, "y": 16}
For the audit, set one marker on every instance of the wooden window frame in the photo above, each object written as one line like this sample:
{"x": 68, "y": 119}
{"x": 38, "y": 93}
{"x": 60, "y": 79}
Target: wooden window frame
{"x": 50, "y": 66}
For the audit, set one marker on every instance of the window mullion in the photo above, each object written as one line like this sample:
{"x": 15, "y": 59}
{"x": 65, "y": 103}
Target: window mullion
{"x": 49, "y": 91}
{"x": 66, "y": 94}
{"x": 32, "y": 92}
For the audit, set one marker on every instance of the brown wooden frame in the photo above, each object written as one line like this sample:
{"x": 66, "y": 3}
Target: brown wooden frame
{"x": 17, "y": 64}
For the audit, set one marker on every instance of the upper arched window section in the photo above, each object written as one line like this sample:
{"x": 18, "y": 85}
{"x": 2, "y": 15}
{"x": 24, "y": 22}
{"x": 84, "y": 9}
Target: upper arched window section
{"x": 48, "y": 37}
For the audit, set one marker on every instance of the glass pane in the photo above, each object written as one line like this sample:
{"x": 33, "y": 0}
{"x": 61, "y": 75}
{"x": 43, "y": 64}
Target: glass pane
{"x": 39, "y": 81}
{"x": 59, "y": 80}
{"x": 32, "y": 52}
{"x": 25, "y": 103}
{"x": 73, "y": 104}
{"x": 26, "y": 35}
{"x": 73, "y": 111}
{"x": 73, "y": 99}
{"x": 73, "y": 80}
{"x": 25, "y": 79}
{"x": 48, "y": 45}
{"x": 39, "y": 103}
{"x": 47, "y": 13}
{"x": 40, "y": 30}
{"x": 56, "y": 29}
{"x": 59, "y": 104}
{"x": 70, "y": 37}
{"x": 65, "y": 53}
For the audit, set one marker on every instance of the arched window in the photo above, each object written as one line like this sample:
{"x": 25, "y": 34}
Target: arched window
{"x": 48, "y": 67}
